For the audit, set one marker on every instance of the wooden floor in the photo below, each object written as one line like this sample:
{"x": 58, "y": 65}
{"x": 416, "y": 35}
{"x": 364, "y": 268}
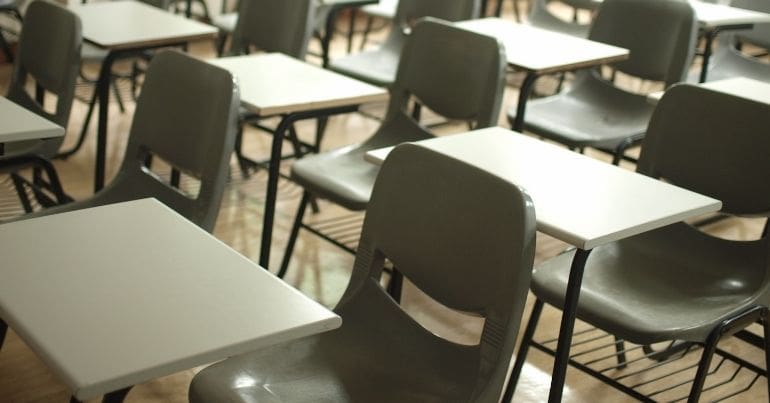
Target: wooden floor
{"x": 318, "y": 269}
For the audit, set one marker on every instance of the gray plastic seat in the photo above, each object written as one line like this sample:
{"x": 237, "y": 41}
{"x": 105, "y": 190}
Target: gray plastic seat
{"x": 379, "y": 66}
{"x": 678, "y": 283}
{"x": 425, "y": 217}
{"x": 456, "y": 73}
{"x": 594, "y": 112}
{"x": 170, "y": 123}
{"x": 728, "y": 61}
{"x": 541, "y": 17}
{"x": 49, "y": 56}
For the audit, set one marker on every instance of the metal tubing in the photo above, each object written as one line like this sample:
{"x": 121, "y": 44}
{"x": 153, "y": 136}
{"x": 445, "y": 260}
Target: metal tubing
{"x": 567, "y": 323}
{"x": 274, "y": 172}
{"x": 524, "y": 92}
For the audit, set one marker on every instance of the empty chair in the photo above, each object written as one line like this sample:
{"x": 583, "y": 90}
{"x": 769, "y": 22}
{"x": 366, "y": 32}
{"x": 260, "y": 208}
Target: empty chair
{"x": 49, "y": 57}
{"x": 456, "y": 73}
{"x": 596, "y": 113}
{"x": 677, "y": 282}
{"x": 425, "y": 217}
{"x": 379, "y": 66}
{"x": 728, "y": 61}
{"x": 283, "y": 26}
{"x": 172, "y": 124}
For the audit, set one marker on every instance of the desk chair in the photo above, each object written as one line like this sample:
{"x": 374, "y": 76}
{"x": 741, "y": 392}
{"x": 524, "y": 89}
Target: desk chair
{"x": 379, "y": 66}
{"x": 728, "y": 60}
{"x": 283, "y": 26}
{"x": 596, "y": 113}
{"x": 172, "y": 124}
{"x": 49, "y": 56}
{"x": 676, "y": 282}
{"x": 93, "y": 54}
{"x": 425, "y": 216}
{"x": 456, "y": 73}
{"x": 10, "y": 7}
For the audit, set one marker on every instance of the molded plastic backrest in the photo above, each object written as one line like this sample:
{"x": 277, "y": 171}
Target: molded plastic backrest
{"x": 659, "y": 33}
{"x": 274, "y": 26}
{"x": 712, "y": 143}
{"x": 462, "y": 235}
{"x": 186, "y": 114}
{"x": 49, "y": 53}
{"x": 760, "y": 34}
{"x": 456, "y": 73}
{"x": 409, "y": 11}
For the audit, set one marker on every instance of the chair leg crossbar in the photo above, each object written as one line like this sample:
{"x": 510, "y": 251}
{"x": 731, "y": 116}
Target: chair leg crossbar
{"x": 671, "y": 372}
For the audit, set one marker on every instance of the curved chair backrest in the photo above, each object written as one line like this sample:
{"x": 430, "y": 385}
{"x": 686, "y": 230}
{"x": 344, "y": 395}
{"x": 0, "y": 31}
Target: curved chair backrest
{"x": 660, "y": 35}
{"x": 456, "y": 73}
{"x": 274, "y": 26}
{"x": 760, "y": 34}
{"x": 409, "y": 11}
{"x": 427, "y": 216}
{"x": 712, "y": 143}
{"x": 49, "y": 54}
{"x": 173, "y": 123}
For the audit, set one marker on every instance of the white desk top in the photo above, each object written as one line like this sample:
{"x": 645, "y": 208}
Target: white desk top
{"x": 580, "y": 200}
{"x": 739, "y": 86}
{"x": 273, "y": 83}
{"x": 129, "y": 24}
{"x": 711, "y": 15}
{"x": 525, "y": 46}
{"x": 117, "y": 295}
{"x": 17, "y": 123}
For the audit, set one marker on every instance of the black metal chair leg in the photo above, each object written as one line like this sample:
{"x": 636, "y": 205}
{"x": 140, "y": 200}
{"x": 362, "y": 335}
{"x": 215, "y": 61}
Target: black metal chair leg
{"x": 417, "y": 111}
{"x": 367, "y": 29}
{"x": 3, "y": 331}
{"x": 83, "y": 131}
{"x": 294, "y": 233}
{"x": 620, "y": 349}
{"x": 395, "y": 285}
{"x": 521, "y": 356}
{"x": 116, "y": 93}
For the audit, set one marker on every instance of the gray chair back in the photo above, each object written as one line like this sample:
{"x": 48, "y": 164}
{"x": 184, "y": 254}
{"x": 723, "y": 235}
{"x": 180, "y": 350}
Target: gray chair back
{"x": 48, "y": 55}
{"x": 172, "y": 123}
{"x": 456, "y": 73}
{"x": 660, "y": 35}
{"x": 689, "y": 144}
{"x": 283, "y": 26}
{"x": 426, "y": 216}
{"x": 409, "y": 11}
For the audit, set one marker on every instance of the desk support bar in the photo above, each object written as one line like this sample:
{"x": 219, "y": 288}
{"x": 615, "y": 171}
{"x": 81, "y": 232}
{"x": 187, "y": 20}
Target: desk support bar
{"x": 567, "y": 325}
{"x": 274, "y": 171}
{"x": 521, "y": 106}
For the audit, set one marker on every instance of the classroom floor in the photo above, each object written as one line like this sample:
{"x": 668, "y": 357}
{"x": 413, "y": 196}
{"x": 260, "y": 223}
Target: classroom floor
{"x": 321, "y": 270}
